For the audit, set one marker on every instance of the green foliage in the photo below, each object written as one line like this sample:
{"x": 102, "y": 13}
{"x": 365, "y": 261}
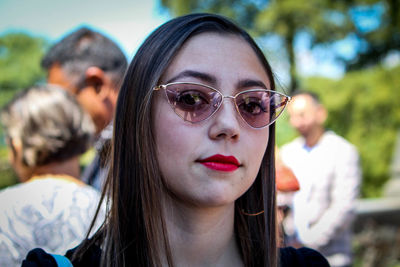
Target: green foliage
{"x": 5, "y": 96}
{"x": 20, "y": 56}
{"x": 243, "y": 12}
{"x": 7, "y": 175}
{"x": 364, "y": 108}
{"x": 380, "y": 41}
{"x": 325, "y": 20}
{"x": 284, "y": 131}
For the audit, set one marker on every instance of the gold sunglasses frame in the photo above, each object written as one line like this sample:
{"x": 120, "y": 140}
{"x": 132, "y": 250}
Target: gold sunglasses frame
{"x": 285, "y": 102}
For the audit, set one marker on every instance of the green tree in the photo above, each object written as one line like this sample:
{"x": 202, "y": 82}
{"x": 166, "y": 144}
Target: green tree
{"x": 20, "y": 56}
{"x": 380, "y": 40}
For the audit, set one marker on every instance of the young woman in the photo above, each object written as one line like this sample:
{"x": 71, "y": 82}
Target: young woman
{"x": 192, "y": 178}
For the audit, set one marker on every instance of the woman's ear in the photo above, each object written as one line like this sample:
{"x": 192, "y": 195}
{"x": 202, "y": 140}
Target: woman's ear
{"x": 15, "y": 157}
{"x": 15, "y": 145}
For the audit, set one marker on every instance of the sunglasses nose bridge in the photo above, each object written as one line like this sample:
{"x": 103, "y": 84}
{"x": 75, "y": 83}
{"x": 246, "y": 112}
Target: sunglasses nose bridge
{"x": 229, "y": 97}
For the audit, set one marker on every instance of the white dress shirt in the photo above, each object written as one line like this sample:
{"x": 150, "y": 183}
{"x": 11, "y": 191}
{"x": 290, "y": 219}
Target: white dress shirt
{"x": 323, "y": 209}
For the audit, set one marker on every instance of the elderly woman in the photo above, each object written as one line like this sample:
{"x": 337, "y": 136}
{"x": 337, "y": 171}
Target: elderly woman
{"x": 46, "y": 131}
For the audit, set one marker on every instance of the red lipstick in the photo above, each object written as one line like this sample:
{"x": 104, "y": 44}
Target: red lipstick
{"x": 221, "y": 163}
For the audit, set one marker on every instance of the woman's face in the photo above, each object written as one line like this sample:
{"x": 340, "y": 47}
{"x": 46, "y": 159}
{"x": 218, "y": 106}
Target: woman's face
{"x": 196, "y": 160}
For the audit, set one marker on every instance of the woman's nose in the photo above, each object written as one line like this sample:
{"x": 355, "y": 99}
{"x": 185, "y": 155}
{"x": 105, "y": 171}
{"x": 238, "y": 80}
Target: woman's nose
{"x": 225, "y": 123}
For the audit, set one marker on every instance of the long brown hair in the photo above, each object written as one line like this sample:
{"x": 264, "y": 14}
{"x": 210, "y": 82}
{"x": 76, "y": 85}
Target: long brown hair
{"x": 134, "y": 232}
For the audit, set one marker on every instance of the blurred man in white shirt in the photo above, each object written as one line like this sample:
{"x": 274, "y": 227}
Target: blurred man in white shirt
{"x": 327, "y": 167}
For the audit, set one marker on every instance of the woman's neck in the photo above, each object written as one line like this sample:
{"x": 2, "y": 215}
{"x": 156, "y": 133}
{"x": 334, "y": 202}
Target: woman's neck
{"x": 202, "y": 237}
{"x": 68, "y": 167}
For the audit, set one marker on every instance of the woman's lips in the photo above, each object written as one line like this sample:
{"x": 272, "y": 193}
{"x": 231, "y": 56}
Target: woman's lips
{"x": 221, "y": 163}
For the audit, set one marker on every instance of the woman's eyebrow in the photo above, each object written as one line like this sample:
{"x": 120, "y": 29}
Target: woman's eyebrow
{"x": 194, "y": 74}
{"x": 246, "y": 83}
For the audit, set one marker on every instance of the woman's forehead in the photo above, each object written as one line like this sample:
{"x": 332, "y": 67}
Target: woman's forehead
{"x": 222, "y": 56}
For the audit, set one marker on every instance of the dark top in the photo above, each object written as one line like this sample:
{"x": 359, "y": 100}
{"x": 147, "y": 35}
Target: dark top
{"x": 96, "y": 172}
{"x": 289, "y": 257}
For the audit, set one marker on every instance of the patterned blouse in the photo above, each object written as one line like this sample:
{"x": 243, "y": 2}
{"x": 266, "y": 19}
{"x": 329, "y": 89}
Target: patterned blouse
{"x": 51, "y": 212}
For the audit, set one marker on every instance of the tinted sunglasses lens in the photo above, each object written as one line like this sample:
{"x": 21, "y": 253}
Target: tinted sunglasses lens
{"x": 191, "y": 102}
{"x": 260, "y": 108}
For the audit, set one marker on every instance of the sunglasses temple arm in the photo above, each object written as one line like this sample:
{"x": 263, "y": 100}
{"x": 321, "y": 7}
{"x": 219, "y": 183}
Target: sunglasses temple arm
{"x": 283, "y": 103}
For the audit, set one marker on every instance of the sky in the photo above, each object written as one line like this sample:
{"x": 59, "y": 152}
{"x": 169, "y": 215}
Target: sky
{"x": 127, "y": 22}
